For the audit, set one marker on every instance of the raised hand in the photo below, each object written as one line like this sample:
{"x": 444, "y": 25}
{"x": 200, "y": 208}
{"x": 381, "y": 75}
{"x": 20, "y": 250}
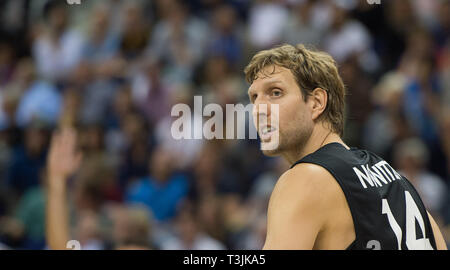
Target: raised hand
{"x": 63, "y": 158}
{"x": 62, "y": 161}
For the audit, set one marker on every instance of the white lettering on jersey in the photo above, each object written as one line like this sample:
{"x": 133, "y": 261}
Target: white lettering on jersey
{"x": 377, "y": 175}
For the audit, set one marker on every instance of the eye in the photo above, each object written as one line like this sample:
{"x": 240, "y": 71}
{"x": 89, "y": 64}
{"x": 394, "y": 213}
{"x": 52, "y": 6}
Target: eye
{"x": 276, "y": 92}
{"x": 253, "y": 98}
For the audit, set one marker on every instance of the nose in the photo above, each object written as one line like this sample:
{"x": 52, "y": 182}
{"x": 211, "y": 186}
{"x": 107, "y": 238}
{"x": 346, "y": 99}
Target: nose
{"x": 261, "y": 111}
{"x": 261, "y": 105}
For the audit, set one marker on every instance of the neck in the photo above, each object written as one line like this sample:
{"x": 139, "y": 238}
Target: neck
{"x": 319, "y": 137}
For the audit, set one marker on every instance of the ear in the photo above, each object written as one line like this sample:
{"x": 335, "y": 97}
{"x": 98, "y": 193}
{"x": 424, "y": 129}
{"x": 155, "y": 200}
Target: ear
{"x": 319, "y": 100}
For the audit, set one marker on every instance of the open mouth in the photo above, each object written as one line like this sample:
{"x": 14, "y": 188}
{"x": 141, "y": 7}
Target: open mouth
{"x": 266, "y": 132}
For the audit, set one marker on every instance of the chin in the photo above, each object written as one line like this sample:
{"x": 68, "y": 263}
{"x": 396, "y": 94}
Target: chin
{"x": 271, "y": 153}
{"x": 270, "y": 150}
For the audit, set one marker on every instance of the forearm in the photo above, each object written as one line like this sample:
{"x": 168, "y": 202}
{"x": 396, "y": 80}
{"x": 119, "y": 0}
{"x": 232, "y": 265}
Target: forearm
{"x": 57, "y": 216}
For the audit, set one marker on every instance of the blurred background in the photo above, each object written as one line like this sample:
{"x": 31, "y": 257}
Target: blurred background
{"x": 114, "y": 69}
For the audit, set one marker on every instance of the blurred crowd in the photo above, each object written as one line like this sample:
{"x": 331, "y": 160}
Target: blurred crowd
{"x": 114, "y": 69}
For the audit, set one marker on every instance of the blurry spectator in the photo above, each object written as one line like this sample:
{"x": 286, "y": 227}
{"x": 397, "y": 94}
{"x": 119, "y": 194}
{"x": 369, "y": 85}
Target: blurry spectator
{"x": 102, "y": 43}
{"x": 97, "y": 97}
{"x": 135, "y": 30}
{"x": 264, "y": 185}
{"x": 349, "y": 38}
{"x": 122, "y": 104}
{"x": 322, "y": 13}
{"x": 226, "y": 35}
{"x": 11, "y": 233}
{"x": 178, "y": 40}
{"x": 411, "y": 157}
{"x": 41, "y": 102}
{"x": 10, "y": 95}
{"x": 6, "y": 62}
{"x": 132, "y": 228}
{"x": 95, "y": 87}
{"x": 386, "y": 124}
{"x": 93, "y": 186}
{"x": 369, "y": 15}
{"x": 267, "y": 18}
{"x": 445, "y": 136}
{"x": 97, "y": 169}
{"x": 421, "y": 101}
{"x": 206, "y": 172}
{"x": 185, "y": 151}
{"x": 58, "y": 49}
{"x": 87, "y": 231}
{"x": 444, "y": 73}
{"x": 28, "y": 159}
{"x": 358, "y": 100}
{"x": 257, "y": 204}
{"x": 235, "y": 215}
{"x": 301, "y": 27}
{"x": 121, "y": 107}
{"x": 30, "y": 212}
{"x": 213, "y": 173}
{"x": 14, "y": 16}
{"x": 426, "y": 11}
{"x": 256, "y": 236}
{"x": 210, "y": 218}
{"x": 441, "y": 30}
{"x": 91, "y": 141}
{"x": 163, "y": 190}
{"x": 399, "y": 20}
{"x": 5, "y": 156}
{"x": 419, "y": 45}
{"x": 135, "y": 147}
{"x": 189, "y": 234}
{"x": 149, "y": 93}
{"x": 220, "y": 84}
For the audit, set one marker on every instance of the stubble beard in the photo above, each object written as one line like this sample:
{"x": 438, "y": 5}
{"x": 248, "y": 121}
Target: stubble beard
{"x": 291, "y": 140}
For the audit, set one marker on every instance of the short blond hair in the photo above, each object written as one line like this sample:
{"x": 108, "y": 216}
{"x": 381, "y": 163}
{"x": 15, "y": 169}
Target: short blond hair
{"x": 311, "y": 69}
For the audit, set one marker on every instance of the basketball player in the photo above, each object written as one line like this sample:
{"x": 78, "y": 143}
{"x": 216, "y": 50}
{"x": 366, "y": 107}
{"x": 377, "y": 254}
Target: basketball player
{"x": 333, "y": 196}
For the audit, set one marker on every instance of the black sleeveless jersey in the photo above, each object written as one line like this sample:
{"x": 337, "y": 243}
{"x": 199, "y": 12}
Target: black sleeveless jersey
{"x": 386, "y": 209}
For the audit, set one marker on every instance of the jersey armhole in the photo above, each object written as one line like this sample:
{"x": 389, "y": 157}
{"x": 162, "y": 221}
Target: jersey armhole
{"x": 353, "y": 245}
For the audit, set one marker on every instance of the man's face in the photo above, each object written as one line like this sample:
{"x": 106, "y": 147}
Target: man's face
{"x": 289, "y": 127}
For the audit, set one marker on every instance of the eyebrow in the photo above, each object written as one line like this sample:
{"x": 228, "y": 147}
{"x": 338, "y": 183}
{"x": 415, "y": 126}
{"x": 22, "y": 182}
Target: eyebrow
{"x": 271, "y": 82}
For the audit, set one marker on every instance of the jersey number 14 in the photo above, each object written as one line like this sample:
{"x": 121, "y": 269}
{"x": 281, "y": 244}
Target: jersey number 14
{"x": 412, "y": 214}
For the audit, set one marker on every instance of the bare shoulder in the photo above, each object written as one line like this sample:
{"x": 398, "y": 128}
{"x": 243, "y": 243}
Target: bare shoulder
{"x": 306, "y": 181}
{"x": 309, "y": 190}
{"x": 300, "y": 208}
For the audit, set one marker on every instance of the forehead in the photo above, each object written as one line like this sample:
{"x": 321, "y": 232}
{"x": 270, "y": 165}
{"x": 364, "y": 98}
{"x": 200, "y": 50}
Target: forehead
{"x": 272, "y": 75}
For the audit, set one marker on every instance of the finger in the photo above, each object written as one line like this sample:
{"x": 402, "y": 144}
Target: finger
{"x": 55, "y": 142}
{"x": 68, "y": 140}
{"x": 72, "y": 142}
{"x": 66, "y": 135}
